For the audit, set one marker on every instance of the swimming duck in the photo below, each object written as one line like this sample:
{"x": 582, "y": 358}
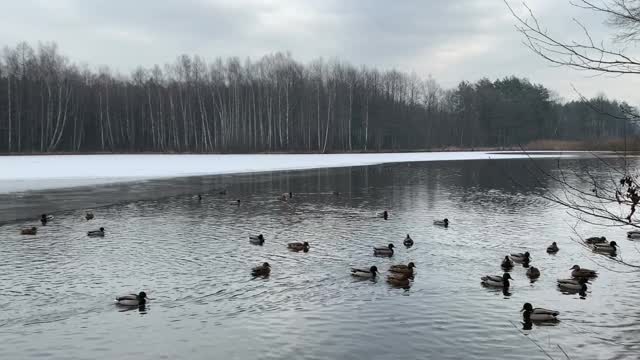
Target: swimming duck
{"x": 44, "y": 219}
{"x": 533, "y": 273}
{"x": 383, "y": 251}
{"x": 89, "y": 216}
{"x": 256, "y": 240}
{"x": 521, "y": 257}
{"x": 283, "y": 197}
{"x": 443, "y": 223}
{"x": 596, "y": 240}
{"x": 497, "y": 280}
{"x": 633, "y": 234}
{"x": 607, "y": 248}
{"x": 297, "y": 246}
{"x": 408, "y": 241}
{"x": 582, "y": 273}
{"x": 31, "y": 231}
{"x": 96, "y": 233}
{"x": 133, "y": 299}
{"x": 403, "y": 269}
{"x": 237, "y": 202}
{"x": 538, "y": 314}
{"x": 553, "y": 248}
{"x": 199, "y": 197}
{"x": 573, "y": 284}
{"x": 371, "y": 273}
{"x": 399, "y": 281}
{"x": 507, "y": 263}
{"x": 262, "y": 270}
{"x": 384, "y": 215}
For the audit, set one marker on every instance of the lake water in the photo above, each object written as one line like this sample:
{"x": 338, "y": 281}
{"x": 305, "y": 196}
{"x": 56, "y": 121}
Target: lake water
{"x": 194, "y": 259}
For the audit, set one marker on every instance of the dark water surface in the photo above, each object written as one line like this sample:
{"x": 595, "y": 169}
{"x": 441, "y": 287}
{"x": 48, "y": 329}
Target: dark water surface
{"x": 194, "y": 259}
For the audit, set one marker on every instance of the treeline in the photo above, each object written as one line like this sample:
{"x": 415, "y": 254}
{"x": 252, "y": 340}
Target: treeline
{"x": 48, "y": 104}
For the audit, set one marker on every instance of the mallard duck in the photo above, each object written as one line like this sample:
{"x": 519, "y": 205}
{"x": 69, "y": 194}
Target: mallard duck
{"x": 371, "y": 273}
{"x": 256, "y": 239}
{"x": 596, "y": 240}
{"x": 399, "y": 281}
{"x": 403, "y": 269}
{"x": 384, "y": 215}
{"x": 553, "y": 248}
{"x": 89, "y": 216}
{"x": 30, "y": 231}
{"x": 443, "y": 223}
{"x": 237, "y": 202}
{"x": 507, "y": 263}
{"x": 133, "y": 299}
{"x": 533, "y": 273}
{"x": 96, "y": 233}
{"x": 408, "y": 241}
{"x": 497, "y": 280}
{"x": 521, "y": 257}
{"x": 383, "y": 251}
{"x": 607, "y": 248}
{"x": 538, "y": 314}
{"x": 633, "y": 234}
{"x": 582, "y": 273}
{"x": 297, "y": 246}
{"x": 573, "y": 284}
{"x": 262, "y": 270}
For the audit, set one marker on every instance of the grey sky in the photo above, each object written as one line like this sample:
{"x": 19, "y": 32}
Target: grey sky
{"x": 451, "y": 40}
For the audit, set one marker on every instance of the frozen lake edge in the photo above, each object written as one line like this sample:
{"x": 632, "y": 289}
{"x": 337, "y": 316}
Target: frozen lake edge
{"x": 22, "y": 173}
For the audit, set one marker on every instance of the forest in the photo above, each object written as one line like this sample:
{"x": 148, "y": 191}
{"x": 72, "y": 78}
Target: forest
{"x": 276, "y": 104}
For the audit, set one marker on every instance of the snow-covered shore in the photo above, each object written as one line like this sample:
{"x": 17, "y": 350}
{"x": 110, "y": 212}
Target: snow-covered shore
{"x": 25, "y": 173}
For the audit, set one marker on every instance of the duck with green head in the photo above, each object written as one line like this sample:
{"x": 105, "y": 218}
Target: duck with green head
{"x": 497, "y": 281}
{"x": 133, "y": 299}
{"x": 370, "y": 273}
{"x": 529, "y": 313}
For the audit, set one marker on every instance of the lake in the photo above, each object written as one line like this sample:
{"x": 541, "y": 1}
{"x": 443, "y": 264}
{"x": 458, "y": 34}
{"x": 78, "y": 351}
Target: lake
{"x": 194, "y": 259}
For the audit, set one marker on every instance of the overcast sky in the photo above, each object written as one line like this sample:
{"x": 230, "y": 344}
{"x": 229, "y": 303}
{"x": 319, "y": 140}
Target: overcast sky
{"x": 451, "y": 40}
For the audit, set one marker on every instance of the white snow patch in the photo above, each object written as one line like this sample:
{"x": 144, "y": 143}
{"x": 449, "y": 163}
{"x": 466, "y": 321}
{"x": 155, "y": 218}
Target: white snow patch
{"x": 24, "y": 173}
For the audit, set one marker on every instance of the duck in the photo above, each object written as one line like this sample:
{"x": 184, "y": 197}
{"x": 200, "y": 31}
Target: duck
{"x": 573, "y": 284}
{"x": 363, "y": 273}
{"x": 297, "y": 246}
{"x": 89, "y": 216}
{"x": 408, "y": 241}
{"x": 262, "y": 270}
{"x": 237, "y": 202}
{"x": 133, "y": 299}
{"x": 199, "y": 197}
{"x": 283, "y": 197}
{"x": 596, "y": 240}
{"x": 521, "y": 257}
{"x": 633, "y": 234}
{"x": 533, "y": 273}
{"x": 403, "y": 269}
{"x": 96, "y": 233}
{"x": 507, "y": 263}
{"x": 44, "y": 219}
{"x": 553, "y": 248}
{"x": 582, "y": 273}
{"x": 399, "y": 281}
{"x": 443, "y": 223}
{"x": 538, "y": 314}
{"x": 384, "y": 215}
{"x": 256, "y": 239}
{"x": 383, "y": 251}
{"x": 30, "y": 231}
{"x": 497, "y": 280}
{"x": 607, "y": 248}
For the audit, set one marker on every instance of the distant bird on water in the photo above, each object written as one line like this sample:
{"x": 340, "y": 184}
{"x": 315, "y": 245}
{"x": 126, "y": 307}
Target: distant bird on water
{"x": 89, "y": 216}
{"x": 443, "y": 223}
{"x": 262, "y": 270}
{"x": 30, "y": 231}
{"x": 96, "y": 233}
{"x": 133, "y": 299}
{"x": 553, "y": 248}
{"x": 383, "y": 251}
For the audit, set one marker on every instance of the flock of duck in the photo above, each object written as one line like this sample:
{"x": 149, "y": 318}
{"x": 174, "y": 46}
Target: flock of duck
{"x": 401, "y": 275}
{"x": 577, "y": 283}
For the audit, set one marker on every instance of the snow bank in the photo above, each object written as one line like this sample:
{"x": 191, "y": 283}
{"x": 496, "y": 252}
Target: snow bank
{"x": 23, "y": 173}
